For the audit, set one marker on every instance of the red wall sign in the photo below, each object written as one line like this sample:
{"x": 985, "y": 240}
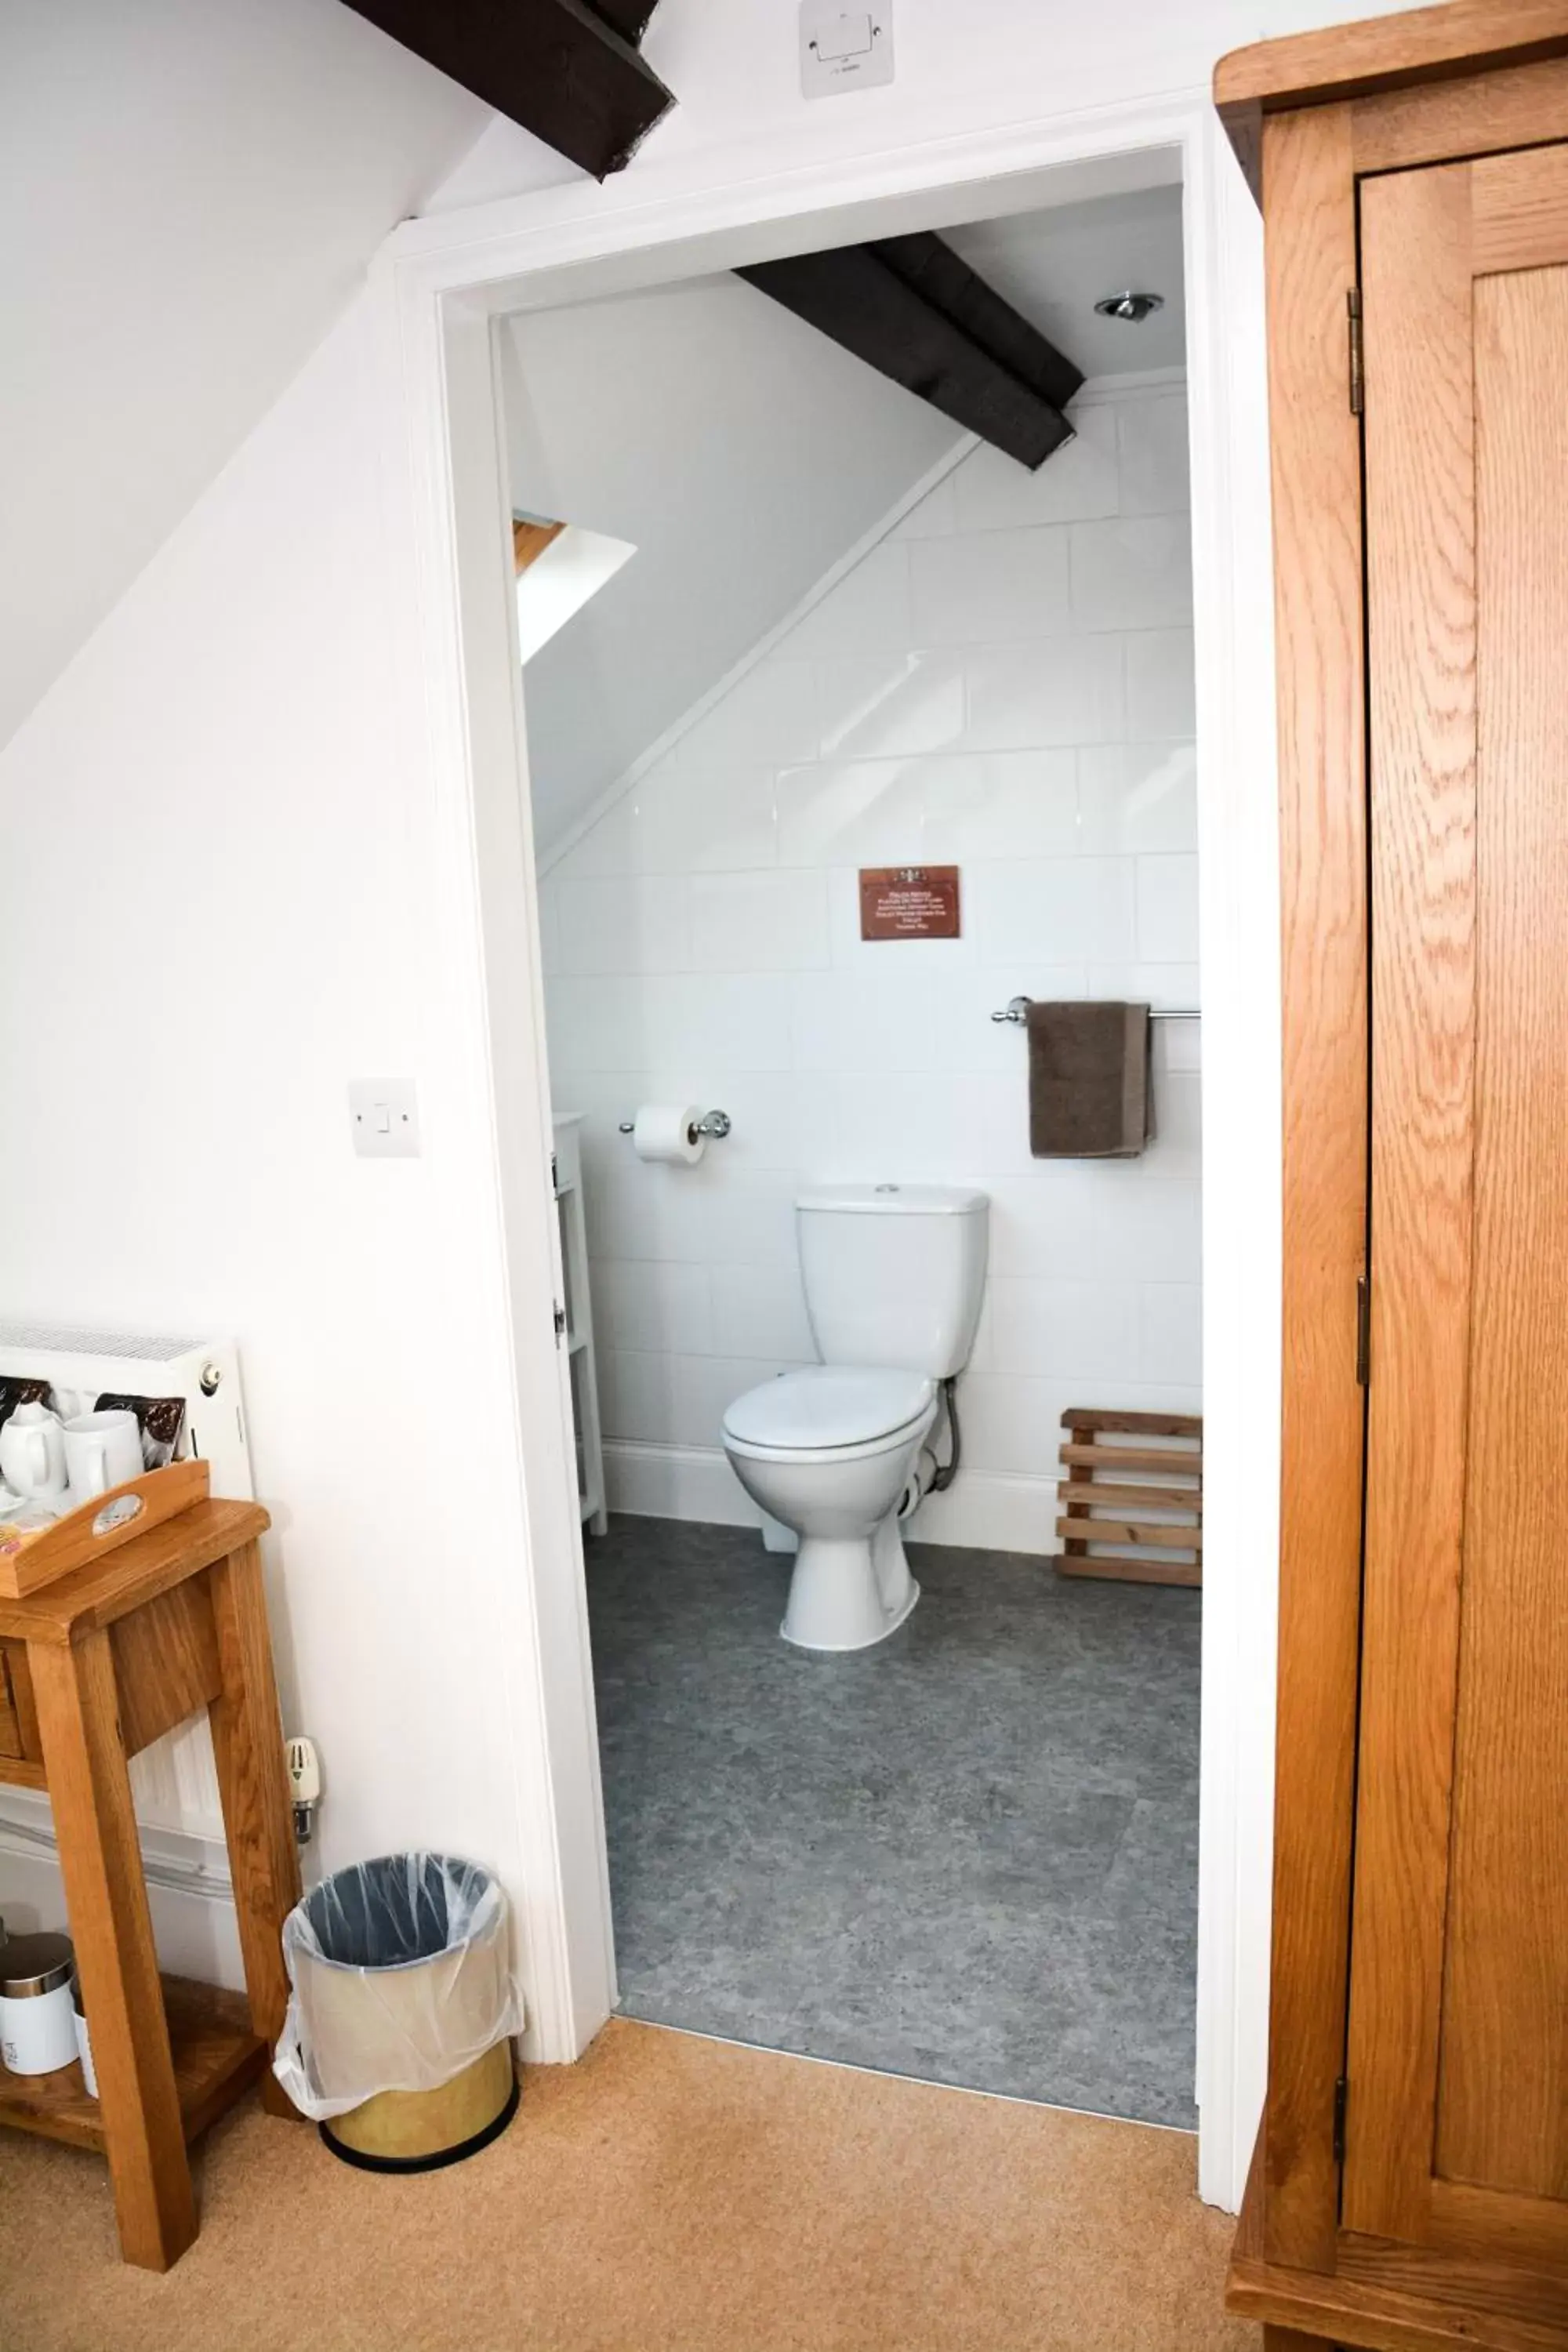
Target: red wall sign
{"x": 908, "y": 902}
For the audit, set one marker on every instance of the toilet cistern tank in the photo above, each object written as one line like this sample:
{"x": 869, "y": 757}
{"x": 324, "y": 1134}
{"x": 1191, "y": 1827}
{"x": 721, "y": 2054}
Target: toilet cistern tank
{"x": 894, "y": 1274}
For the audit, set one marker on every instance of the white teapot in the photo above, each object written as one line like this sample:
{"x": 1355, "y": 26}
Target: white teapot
{"x": 33, "y": 1454}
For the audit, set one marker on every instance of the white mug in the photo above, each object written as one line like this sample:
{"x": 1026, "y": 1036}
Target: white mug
{"x": 102, "y": 1450}
{"x": 32, "y": 1453}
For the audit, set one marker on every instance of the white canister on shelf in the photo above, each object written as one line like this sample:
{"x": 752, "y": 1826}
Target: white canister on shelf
{"x": 37, "y": 2013}
{"x": 83, "y": 2041}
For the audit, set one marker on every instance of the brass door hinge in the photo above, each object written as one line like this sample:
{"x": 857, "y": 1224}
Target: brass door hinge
{"x": 1341, "y": 2100}
{"x": 1357, "y": 360}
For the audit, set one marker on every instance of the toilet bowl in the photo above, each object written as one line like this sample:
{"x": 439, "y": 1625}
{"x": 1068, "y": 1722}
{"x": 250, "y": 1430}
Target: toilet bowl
{"x": 892, "y": 1277}
{"x": 828, "y": 1451}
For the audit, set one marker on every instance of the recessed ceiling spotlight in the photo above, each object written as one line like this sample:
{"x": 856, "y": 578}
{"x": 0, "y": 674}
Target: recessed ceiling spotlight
{"x": 1135, "y": 308}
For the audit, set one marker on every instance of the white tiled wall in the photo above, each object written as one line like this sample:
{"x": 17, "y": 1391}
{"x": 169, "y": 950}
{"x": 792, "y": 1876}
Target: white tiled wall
{"x": 1005, "y": 683}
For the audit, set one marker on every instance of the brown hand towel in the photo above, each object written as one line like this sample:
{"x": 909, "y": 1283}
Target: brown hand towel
{"x": 1089, "y": 1096}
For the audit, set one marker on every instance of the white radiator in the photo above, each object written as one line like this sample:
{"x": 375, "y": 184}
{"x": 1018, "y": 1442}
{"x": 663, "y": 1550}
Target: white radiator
{"x": 174, "y": 1781}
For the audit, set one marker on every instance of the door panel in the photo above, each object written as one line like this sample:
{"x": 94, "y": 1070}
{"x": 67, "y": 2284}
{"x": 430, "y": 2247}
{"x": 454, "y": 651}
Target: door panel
{"x": 1458, "y": 2024}
{"x": 1500, "y": 2122}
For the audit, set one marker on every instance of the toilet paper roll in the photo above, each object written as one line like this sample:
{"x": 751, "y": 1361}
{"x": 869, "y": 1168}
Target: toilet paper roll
{"x": 664, "y": 1132}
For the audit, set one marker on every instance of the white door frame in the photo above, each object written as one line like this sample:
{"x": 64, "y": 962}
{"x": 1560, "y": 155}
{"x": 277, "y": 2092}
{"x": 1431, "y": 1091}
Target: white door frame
{"x": 440, "y": 282}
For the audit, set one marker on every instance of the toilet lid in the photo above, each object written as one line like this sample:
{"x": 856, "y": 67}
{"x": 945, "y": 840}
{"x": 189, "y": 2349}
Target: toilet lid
{"x": 831, "y": 1404}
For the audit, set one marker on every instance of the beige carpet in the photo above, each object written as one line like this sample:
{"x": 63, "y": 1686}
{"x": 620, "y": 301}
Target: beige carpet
{"x": 667, "y": 2195}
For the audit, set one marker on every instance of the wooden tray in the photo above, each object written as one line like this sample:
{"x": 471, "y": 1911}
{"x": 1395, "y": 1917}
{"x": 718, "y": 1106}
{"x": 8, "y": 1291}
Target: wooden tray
{"x": 31, "y": 1559}
{"x": 1145, "y": 1499}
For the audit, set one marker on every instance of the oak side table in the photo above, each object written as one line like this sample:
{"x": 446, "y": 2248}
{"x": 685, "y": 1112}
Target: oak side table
{"x": 94, "y": 1664}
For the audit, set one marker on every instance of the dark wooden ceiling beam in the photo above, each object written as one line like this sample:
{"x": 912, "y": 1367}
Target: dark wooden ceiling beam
{"x": 629, "y": 18}
{"x": 910, "y": 308}
{"x": 562, "y": 68}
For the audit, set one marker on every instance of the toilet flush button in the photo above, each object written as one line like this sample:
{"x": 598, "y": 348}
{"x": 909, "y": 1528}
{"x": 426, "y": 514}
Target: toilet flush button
{"x": 888, "y": 1188}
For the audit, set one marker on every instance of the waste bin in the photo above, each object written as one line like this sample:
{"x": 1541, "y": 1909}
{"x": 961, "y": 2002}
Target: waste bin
{"x": 397, "y": 2039}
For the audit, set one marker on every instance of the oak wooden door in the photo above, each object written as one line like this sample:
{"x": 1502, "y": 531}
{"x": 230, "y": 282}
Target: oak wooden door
{"x": 1457, "y": 2115}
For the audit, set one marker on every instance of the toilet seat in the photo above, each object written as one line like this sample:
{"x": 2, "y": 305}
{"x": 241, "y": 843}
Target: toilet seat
{"x": 828, "y": 1413}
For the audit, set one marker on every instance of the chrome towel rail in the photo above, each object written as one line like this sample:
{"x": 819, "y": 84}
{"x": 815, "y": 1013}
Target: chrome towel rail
{"x": 1017, "y": 1008}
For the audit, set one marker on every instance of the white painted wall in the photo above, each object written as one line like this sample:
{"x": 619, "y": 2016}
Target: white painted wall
{"x": 217, "y": 904}
{"x": 228, "y": 806}
{"x": 1005, "y": 683}
{"x": 963, "y": 64}
{"x": 192, "y": 190}
{"x": 739, "y": 451}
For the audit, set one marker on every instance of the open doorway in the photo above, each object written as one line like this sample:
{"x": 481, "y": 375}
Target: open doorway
{"x": 851, "y": 639}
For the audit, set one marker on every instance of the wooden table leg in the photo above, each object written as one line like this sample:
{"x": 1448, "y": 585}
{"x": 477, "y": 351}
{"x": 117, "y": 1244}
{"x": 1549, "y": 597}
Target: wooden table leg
{"x": 248, "y": 1741}
{"x": 101, "y": 1862}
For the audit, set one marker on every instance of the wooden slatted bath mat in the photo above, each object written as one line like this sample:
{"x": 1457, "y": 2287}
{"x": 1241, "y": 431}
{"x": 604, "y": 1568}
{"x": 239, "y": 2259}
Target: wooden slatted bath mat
{"x": 1134, "y": 1480}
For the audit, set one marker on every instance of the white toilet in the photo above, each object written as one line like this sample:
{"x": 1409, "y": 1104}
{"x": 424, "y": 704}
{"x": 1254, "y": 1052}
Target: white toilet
{"x": 893, "y": 1276}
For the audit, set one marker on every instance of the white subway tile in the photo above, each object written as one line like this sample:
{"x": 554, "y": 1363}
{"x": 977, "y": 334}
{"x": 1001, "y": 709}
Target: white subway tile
{"x": 1078, "y": 1329}
{"x": 878, "y": 705}
{"x": 1047, "y": 1226}
{"x": 650, "y": 1304}
{"x": 992, "y": 585}
{"x": 1153, "y": 1231}
{"x": 1132, "y": 573}
{"x": 867, "y": 613}
{"x": 999, "y": 804}
{"x": 1171, "y": 1346}
{"x": 1057, "y": 690}
{"x": 1135, "y": 797}
{"x": 1151, "y": 440}
{"x": 932, "y": 517}
{"x": 767, "y": 718}
{"x": 867, "y": 1019}
{"x": 549, "y": 936}
{"x": 1161, "y": 696}
{"x": 1168, "y": 909}
{"x": 597, "y": 1024}
{"x": 889, "y": 1127}
{"x": 760, "y": 1311}
{"x": 710, "y": 1022}
{"x": 747, "y": 1218}
{"x": 775, "y": 920}
{"x": 637, "y": 1398}
{"x": 1052, "y": 909}
{"x": 696, "y": 819}
{"x": 1012, "y": 1424}
{"x": 1177, "y": 1147}
{"x": 852, "y": 811}
{"x": 622, "y": 923}
{"x": 1059, "y": 774}
{"x": 614, "y": 842}
{"x": 1075, "y": 482}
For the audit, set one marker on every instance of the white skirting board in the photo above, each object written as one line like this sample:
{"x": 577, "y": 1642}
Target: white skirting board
{"x": 188, "y": 1889}
{"x": 984, "y": 1509}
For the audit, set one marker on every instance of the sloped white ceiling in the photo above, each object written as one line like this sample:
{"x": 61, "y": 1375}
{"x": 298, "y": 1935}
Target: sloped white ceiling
{"x": 190, "y": 190}
{"x": 1055, "y": 264}
{"x": 741, "y": 454}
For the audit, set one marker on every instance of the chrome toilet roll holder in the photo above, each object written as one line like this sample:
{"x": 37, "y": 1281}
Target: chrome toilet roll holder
{"x": 714, "y": 1124}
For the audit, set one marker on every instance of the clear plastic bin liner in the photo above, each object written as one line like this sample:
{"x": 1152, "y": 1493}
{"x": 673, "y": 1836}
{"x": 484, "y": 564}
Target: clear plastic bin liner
{"x": 400, "y": 1977}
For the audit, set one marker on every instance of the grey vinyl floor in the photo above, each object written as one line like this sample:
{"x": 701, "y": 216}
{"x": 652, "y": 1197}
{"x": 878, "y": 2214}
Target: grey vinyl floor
{"x": 968, "y": 1854}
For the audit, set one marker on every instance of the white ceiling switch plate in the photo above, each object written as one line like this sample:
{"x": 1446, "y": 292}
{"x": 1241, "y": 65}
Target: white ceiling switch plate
{"x": 844, "y": 48}
{"x": 384, "y": 1115}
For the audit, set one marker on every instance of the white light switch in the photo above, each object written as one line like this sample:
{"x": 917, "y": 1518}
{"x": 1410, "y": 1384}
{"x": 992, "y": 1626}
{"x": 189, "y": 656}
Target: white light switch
{"x": 844, "y": 48}
{"x": 384, "y": 1117}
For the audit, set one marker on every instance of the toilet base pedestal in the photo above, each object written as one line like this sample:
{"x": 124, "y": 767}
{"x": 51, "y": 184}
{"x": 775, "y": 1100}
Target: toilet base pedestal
{"x": 848, "y": 1593}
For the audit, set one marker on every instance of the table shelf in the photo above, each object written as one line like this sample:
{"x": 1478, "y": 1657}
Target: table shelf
{"x": 216, "y": 2057}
